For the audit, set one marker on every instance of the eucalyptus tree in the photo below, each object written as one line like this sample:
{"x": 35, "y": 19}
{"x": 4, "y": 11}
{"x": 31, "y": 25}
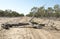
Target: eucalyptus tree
{"x": 34, "y": 11}
{"x": 1, "y": 13}
{"x": 57, "y": 10}
{"x": 41, "y": 11}
{"x": 50, "y": 11}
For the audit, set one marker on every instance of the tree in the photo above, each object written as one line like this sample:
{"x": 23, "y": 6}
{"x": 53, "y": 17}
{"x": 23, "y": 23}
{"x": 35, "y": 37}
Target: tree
{"x": 21, "y": 15}
{"x": 9, "y": 13}
{"x": 1, "y": 13}
{"x": 41, "y": 11}
{"x": 57, "y": 10}
{"x": 50, "y": 12}
{"x": 33, "y": 12}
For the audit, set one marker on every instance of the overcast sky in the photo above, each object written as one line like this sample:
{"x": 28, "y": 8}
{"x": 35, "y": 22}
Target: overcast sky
{"x": 24, "y": 6}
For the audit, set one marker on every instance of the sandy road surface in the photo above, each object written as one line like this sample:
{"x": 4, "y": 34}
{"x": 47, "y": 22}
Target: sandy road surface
{"x": 26, "y": 33}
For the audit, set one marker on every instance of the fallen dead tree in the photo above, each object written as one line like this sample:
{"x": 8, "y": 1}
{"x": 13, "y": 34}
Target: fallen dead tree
{"x": 33, "y": 25}
{"x": 7, "y": 26}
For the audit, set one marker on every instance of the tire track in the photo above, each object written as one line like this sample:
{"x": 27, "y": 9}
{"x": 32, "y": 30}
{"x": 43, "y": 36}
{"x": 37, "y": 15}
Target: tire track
{"x": 41, "y": 34}
{"x": 45, "y": 34}
{"x": 28, "y": 34}
{"x": 34, "y": 33}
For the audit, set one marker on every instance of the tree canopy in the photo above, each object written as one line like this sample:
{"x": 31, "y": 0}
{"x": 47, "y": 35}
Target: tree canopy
{"x": 38, "y": 12}
{"x": 49, "y": 12}
{"x": 9, "y": 13}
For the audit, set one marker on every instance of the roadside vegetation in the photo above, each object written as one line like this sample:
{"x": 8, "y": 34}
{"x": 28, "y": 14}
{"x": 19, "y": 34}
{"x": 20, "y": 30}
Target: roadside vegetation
{"x": 9, "y": 13}
{"x": 42, "y": 12}
{"x": 46, "y": 12}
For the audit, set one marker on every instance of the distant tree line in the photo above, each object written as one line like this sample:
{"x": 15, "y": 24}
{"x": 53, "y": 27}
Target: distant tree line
{"x": 49, "y": 12}
{"x": 9, "y": 13}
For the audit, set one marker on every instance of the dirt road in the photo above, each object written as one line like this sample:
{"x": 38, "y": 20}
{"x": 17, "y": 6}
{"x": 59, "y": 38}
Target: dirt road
{"x": 26, "y": 33}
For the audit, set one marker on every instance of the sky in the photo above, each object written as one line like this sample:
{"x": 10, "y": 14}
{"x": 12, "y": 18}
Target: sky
{"x": 24, "y": 6}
